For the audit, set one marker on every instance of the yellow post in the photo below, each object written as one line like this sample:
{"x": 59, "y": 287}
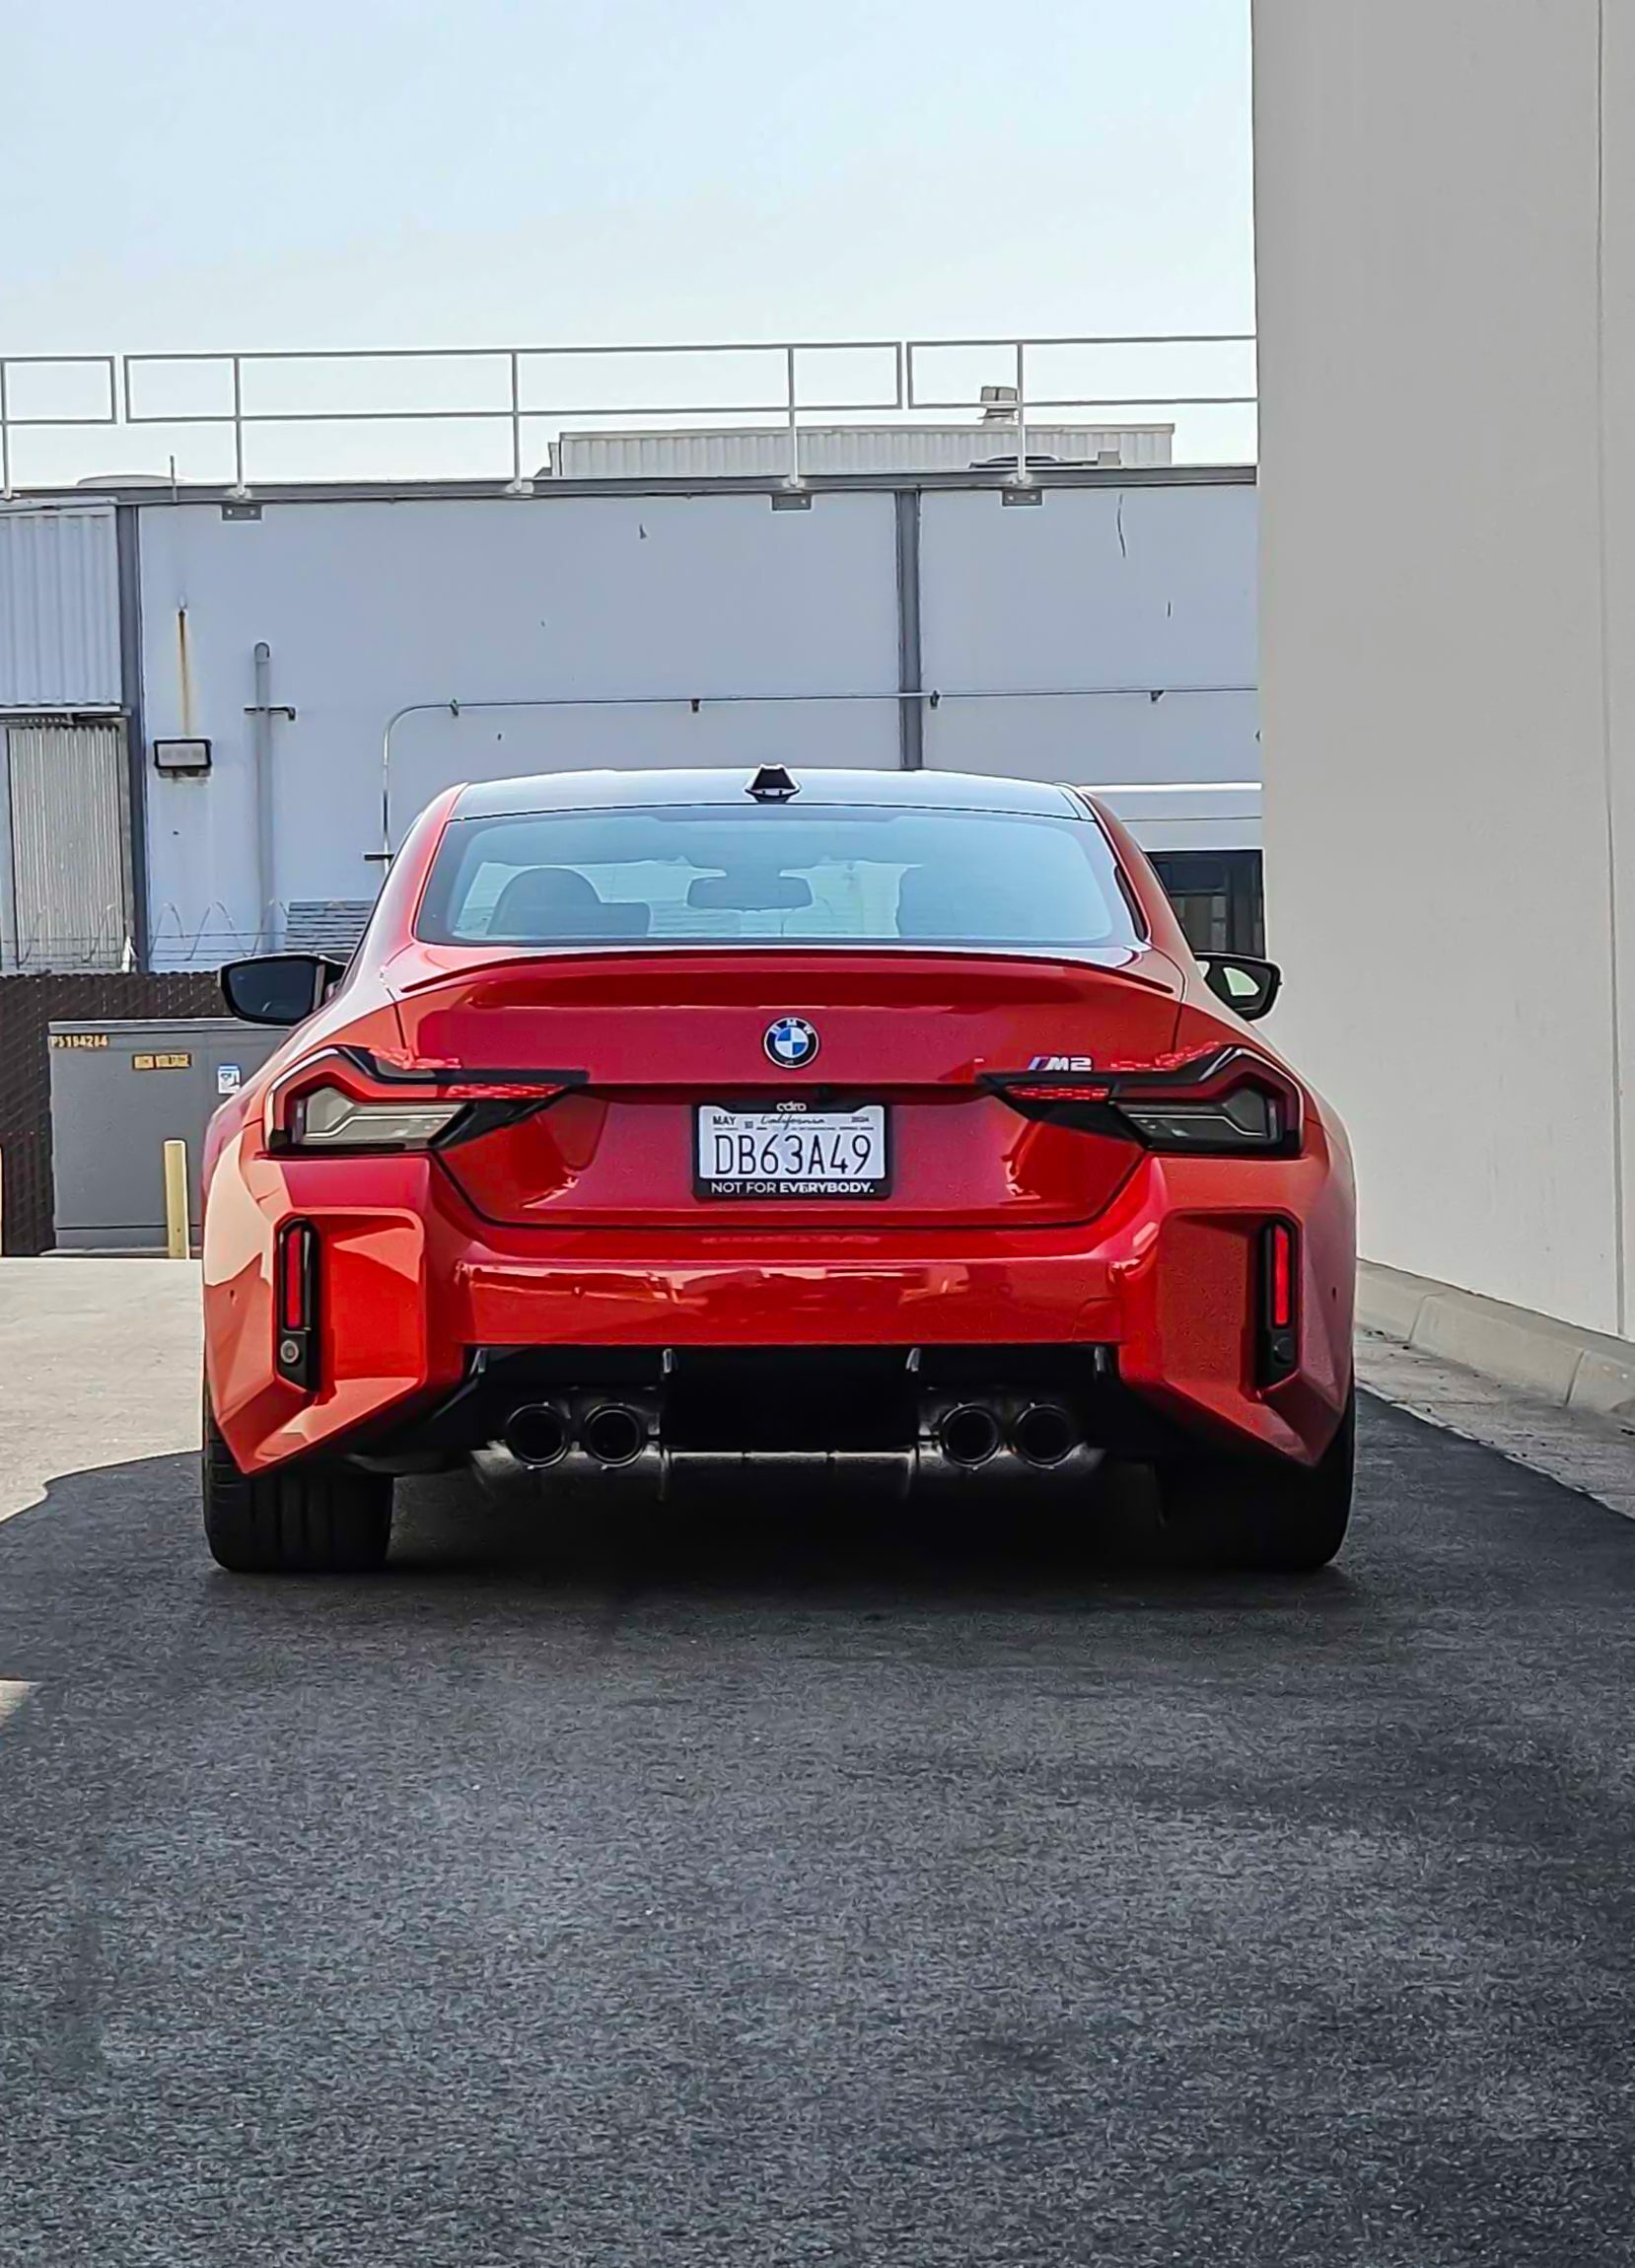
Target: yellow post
{"x": 177, "y": 1239}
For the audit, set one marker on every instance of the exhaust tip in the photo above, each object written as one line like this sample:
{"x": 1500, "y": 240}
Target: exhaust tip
{"x": 536, "y": 1433}
{"x": 970, "y": 1435}
{"x": 615, "y": 1433}
{"x": 1044, "y": 1435}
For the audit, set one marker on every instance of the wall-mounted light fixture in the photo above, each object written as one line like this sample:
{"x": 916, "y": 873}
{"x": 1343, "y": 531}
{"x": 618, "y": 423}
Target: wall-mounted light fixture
{"x": 182, "y": 760}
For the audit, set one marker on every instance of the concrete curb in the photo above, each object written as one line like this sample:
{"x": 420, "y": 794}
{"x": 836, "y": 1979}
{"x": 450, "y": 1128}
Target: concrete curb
{"x": 1558, "y": 1362}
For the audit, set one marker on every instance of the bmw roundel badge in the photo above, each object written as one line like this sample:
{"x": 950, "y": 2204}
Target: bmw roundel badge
{"x": 791, "y": 1043}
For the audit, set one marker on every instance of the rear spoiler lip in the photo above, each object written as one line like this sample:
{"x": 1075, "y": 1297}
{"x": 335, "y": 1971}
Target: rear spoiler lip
{"x": 1129, "y": 968}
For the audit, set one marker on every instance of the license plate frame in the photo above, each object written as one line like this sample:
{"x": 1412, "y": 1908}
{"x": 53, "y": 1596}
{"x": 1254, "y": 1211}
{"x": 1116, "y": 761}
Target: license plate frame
{"x": 767, "y": 1119}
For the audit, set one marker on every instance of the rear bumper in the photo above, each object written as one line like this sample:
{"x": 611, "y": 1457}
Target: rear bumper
{"x": 412, "y": 1282}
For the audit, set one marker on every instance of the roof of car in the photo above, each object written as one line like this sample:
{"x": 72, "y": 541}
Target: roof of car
{"x": 729, "y": 786}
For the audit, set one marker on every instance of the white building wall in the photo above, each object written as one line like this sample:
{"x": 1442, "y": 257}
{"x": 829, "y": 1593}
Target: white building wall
{"x": 1446, "y": 224}
{"x": 370, "y": 606}
{"x": 1108, "y": 597}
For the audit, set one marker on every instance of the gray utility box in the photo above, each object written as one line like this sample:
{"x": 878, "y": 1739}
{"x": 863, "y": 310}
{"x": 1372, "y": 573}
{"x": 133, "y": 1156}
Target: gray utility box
{"x": 120, "y": 1090}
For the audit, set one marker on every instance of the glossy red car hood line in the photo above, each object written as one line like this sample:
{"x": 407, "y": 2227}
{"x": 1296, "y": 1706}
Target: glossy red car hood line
{"x": 655, "y": 1033}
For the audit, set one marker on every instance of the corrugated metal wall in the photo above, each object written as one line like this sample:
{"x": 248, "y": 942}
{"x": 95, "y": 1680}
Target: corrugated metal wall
{"x": 70, "y": 862}
{"x": 59, "y": 609}
{"x": 824, "y": 449}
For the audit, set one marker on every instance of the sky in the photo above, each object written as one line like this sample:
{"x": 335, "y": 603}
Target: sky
{"x": 183, "y": 176}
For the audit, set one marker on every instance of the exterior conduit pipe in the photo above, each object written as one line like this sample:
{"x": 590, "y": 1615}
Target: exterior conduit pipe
{"x": 932, "y": 697}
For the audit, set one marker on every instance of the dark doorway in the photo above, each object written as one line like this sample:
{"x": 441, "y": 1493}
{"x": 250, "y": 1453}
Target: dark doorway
{"x": 1218, "y": 897}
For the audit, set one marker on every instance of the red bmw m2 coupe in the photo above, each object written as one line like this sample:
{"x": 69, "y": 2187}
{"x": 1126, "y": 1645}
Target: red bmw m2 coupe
{"x": 689, "y": 1122}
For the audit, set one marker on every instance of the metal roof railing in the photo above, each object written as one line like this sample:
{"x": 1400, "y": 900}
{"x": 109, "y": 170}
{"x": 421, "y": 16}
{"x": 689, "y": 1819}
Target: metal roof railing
{"x": 1027, "y": 403}
{"x": 11, "y": 422}
{"x": 516, "y": 411}
{"x": 520, "y": 388}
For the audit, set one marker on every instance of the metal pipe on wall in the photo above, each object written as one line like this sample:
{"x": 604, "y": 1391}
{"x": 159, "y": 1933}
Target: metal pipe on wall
{"x": 911, "y": 712}
{"x": 927, "y": 697}
{"x": 260, "y": 733}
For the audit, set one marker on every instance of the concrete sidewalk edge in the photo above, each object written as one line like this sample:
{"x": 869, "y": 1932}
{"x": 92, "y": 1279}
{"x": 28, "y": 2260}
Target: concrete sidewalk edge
{"x": 1560, "y": 1362}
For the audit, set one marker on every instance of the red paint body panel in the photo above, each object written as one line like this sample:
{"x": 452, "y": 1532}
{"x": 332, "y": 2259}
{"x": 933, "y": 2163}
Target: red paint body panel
{"x": 578, "y": 1226}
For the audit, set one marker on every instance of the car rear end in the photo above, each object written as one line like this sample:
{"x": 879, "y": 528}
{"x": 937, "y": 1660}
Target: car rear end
{"x": 873, "y": 1126}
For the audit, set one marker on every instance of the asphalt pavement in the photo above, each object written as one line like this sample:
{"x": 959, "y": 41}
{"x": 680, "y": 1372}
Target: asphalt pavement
{"x": 801, "y": 1887}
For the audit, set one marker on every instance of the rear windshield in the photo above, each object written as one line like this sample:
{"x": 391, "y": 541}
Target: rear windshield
{"x": 830, "y": 875}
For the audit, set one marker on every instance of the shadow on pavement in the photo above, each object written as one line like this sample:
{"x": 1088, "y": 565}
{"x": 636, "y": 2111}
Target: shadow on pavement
{"x": 131, "y": 1534}
{"x": 804, "y": 1882}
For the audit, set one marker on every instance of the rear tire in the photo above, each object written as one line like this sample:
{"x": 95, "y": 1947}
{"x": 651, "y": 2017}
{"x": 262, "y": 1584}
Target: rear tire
{"x": 1234, "y": 1511}
{"x": 297, "y": 1520}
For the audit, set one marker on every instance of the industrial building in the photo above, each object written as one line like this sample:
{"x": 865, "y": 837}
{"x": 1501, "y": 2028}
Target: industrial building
{"x": 222, "y": 702}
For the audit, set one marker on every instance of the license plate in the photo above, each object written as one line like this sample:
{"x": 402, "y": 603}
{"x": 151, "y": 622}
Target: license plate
{"x": 792, "y": 1152}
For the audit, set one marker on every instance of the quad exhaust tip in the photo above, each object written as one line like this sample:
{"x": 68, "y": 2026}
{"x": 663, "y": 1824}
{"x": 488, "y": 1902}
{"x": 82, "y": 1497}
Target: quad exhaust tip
{"x": 538, "y": 1434}
{"x": 1045, "y": 1434}
{"x": 614, "y": 1434}
{"x": 970, "y": 1435}
{"x": 543, "y": 1433}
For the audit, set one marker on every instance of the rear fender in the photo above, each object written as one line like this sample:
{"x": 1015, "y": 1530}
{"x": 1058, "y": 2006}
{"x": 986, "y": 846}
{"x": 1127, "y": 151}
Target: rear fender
{"x": 1188, "y": 1291}
{"x": 376, "y": 1349}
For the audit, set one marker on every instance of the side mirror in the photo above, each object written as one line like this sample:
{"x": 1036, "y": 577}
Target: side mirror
{"x": 279, "y": 987}
{"x": 1247, "y": 986}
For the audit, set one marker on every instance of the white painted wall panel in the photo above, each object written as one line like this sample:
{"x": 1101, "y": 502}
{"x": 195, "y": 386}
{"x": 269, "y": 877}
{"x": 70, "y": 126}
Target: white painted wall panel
{"x": 60, "y": 607}
{"x": 1616, "y": 440}
{"x": 370, "y": 606}
{"x": 1447, "y": 689}
{"x": 1145, "y": 588}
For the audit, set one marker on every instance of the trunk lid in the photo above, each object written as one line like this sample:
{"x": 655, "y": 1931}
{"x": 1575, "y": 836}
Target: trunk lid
{"x": 658, "y": 1034}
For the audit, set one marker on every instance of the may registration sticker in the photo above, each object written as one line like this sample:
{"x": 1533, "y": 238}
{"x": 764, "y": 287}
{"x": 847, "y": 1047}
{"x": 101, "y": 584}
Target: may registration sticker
{"x": 792, "y": 1152}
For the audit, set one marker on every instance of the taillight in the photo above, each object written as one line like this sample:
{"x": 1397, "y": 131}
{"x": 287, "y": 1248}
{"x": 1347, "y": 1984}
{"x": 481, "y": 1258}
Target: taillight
{"x": 295, "y": 1305}
{"x": 347, "y": 1101}
{"x": 1277, "y": 1303}
{"x": 1056, "y": 1090}
{"x": 1249, "y": 1118}
{"x": 328, "y": 1119}
{"x": 1227, "y": 1104}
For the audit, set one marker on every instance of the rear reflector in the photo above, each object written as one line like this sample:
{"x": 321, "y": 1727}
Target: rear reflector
{"x": 292, "y": 1278}
{"x": 1280, "y": 1242}
{"x": 1277, "y": 1331}
{"x": 295, "y": 1305}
